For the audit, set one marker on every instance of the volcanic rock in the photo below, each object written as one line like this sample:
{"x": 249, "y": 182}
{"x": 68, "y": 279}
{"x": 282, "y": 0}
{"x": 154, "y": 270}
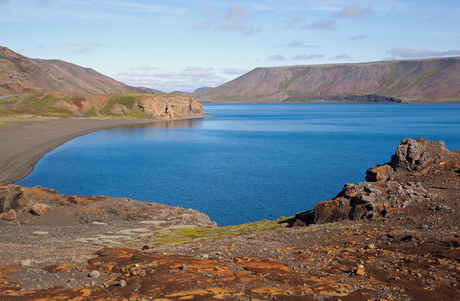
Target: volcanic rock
{"x": 418, "y": 154}
{"x": 39, "y": 209}
{"x": 390, "y": 186}
{"x": 12, "y": 197}
{"x": 10, "y": 215}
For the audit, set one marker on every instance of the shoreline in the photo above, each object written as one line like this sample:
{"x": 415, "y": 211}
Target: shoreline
{"x": 23, "y": 142}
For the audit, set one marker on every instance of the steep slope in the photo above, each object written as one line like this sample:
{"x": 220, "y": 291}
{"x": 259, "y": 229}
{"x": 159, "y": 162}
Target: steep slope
{"x": 19, "y": 74}
{"x": 411, "y": 80}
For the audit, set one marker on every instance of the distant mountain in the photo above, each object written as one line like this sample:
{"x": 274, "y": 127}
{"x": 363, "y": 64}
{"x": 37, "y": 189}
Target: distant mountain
{"x": 406, "y": 80}
{"x": 20, "y": 74}
{"x": 152, "y": 90}
{"x": 179, "y": 92}
{"x": 202, "y": 89}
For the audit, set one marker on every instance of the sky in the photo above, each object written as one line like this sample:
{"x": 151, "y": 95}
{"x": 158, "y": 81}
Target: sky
{"x": 179, "y": 45}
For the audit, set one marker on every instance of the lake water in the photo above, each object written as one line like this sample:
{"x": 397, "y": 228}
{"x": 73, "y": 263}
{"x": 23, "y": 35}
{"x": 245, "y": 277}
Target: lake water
{"x": 249, "y": 162}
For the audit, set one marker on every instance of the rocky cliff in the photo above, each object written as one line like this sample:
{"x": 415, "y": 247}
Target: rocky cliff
{"x": 418, "y": 170}
{"x": 20, "y": 74}
{"x": 409, "y": 80}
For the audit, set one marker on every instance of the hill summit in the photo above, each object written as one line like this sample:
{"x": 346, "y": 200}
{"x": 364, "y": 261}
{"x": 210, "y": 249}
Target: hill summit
{"x": 20, "y": 74}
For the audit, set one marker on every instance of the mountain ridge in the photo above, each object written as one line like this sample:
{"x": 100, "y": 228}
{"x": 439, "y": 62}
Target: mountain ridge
{"x": 423, "y": 80}
{"x": 20, "y": 74}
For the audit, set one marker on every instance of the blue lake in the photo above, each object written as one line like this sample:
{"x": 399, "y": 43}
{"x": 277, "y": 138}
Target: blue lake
{"x": 249, "y": 162}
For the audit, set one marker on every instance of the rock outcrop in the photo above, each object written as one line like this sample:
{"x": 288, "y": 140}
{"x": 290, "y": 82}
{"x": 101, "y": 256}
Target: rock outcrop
{"x": 389, "y": 187}
{"x": 42, "y": 205}
{"x": 170, "y": 106}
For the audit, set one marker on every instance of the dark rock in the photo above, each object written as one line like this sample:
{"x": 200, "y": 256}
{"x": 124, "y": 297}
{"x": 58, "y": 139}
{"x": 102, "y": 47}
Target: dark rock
{"x": 299, "y": 223}
{"x": 412, "y": 155}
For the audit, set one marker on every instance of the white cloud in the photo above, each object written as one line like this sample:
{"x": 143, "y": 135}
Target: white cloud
{"x": 323, "y": 24}
{"x": 297, "y": 44}
{"x": 360, "y": 37}
{"x": 352, "y": 11}
{"x": 187, "y": 80}
{"x": 403, "y": 52}
{"x": 198, "y": 71}
{"x": 340, "y": 57}
{"x": 276, "y": 57}
{"x": 307, "y": 57}
{"x": 235, "y": 18}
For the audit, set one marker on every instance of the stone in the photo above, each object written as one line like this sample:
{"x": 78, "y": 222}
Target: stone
{"x": 378, "y": 172}
{"x": 40, "y": 233}
{"x": 417, "y": 154}
{"x": 39, "y": 209}
{"x": 183, "y": 267}
{"x": 94, "y": 274}
{"x": 10, "y": 215}
{"x": 26, "y": 263}
{"x": 99, "y": 223}
{"x": 148, "y": 247}
{"x": 360, "y": 272}
{"x": 13, "y": 197}
{"x": 122, "y": 283}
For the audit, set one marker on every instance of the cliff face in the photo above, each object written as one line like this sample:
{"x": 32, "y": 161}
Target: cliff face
{"x": 427, "y": 79}
{"x": 20, "y": 74}
{"x": 164, "y": 106}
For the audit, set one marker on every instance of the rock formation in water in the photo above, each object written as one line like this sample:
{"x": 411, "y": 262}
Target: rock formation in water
{"x": 416, "y": 166}
{"x": 388, "y": 81}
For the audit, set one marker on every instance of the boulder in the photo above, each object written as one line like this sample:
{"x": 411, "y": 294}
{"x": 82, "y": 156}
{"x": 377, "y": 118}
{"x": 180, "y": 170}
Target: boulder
{"x": 412, "y": 155}
{"x": 12, "y": 197}
{"x": 39, "y": 209}
{"x": 378, "y": 172}
{"x": 10, "y": 215}
{"x": 369, "y": 200}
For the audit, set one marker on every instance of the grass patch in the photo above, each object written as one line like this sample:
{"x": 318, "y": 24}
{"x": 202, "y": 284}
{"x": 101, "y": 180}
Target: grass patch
{"x": 287, "y": 82}
{"x": 426, "y": 75}
{"x": 195, "y": 234}
{"x": 39, "y": 105}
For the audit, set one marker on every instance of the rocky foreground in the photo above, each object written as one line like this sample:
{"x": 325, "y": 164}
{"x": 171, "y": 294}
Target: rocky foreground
{"x": 394, "y": 237}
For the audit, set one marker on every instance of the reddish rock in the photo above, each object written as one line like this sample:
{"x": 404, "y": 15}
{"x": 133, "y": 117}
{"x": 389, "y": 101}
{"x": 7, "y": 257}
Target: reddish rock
{"x": 378, "y": 172}
{"x": 39, "y": 209}
{"x": 10, "y": 215}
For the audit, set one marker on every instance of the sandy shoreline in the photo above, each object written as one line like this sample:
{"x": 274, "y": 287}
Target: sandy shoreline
{"x": 24, "y": 141}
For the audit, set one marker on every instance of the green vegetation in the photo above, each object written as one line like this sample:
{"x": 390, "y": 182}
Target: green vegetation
{"x": 287, "y": 82}
{"x": 36, "y": 104}
{"x": 426, "y": 75}
{"x": 195, "y": 234}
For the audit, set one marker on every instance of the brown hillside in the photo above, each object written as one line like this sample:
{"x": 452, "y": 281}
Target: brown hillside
{"x": 410, "y": 80}
{"x": 20, "y": 74}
